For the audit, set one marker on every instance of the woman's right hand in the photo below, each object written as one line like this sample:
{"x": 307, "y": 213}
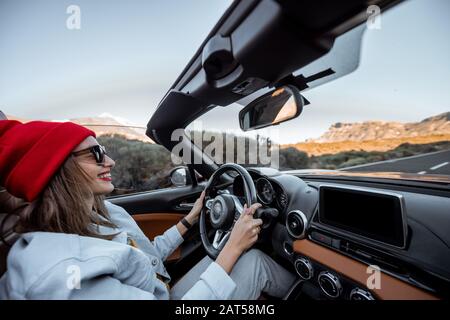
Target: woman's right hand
{"x": 246, "y": 229}
{"x": 244, "y": 234}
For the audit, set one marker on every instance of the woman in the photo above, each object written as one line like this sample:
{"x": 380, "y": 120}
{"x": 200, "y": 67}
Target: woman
{"x": 75, "y": 245}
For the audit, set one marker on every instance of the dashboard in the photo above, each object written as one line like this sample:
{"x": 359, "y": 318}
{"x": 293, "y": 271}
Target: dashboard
{"x": 357, "y": 240}
{"x": 269, "y": 192}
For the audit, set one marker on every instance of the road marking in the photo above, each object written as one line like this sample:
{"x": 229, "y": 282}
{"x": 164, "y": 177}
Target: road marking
{"x": 421, "y": 172}
{"x": 439, "y": 165}
{"x": 397, "y": 159}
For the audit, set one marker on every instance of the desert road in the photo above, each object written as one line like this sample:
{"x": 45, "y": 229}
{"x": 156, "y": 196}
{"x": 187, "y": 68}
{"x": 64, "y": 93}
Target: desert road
{"x": 428, "y": 163}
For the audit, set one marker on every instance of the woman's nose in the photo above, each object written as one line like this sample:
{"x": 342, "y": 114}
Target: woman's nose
{"x": 109, "y": 162}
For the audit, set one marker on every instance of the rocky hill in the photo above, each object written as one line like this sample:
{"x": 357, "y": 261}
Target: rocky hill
{"x": 381, "y": 130}
{"x": 107, "y": 125}
{"x": 377, "y": 135}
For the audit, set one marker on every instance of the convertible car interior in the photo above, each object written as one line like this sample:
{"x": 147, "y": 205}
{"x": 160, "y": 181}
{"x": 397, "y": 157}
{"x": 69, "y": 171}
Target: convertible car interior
{"x": 346, "y": 237}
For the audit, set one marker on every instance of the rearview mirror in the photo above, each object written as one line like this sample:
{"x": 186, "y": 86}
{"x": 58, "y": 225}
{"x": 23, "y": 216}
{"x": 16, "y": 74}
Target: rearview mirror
{"x": 272, "y": 108}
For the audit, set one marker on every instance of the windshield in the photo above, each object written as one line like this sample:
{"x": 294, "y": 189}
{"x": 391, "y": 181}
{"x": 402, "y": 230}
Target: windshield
{"x": 392, "y": 114}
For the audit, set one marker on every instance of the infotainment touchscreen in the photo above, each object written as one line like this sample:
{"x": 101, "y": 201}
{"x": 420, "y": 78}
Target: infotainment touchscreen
{"x": 373, "y": 215}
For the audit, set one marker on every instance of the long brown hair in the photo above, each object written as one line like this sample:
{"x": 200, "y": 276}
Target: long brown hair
{"x": 62, "y": 206}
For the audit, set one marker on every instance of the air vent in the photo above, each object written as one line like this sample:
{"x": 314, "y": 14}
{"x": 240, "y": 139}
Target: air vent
{"x": 330, "y": 284}
{"x": 360, "y": 295}
{"x": 296, "y": 223}
{"x": 304, "y": 268}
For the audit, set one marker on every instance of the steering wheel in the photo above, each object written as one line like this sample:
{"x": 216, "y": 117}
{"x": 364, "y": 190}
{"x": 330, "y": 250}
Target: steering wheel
{"x": 224, "y": 209}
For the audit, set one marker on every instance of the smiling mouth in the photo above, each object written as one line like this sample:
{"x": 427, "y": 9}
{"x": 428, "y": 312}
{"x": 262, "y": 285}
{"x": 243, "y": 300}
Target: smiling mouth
{"x": 105, "y": 176}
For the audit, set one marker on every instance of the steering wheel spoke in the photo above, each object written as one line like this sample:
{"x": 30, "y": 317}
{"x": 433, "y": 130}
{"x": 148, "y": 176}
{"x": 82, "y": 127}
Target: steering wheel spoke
{"x": 220, "y": 238}
{"x": 209, "y": 203}
{"x": 238, "y": 207}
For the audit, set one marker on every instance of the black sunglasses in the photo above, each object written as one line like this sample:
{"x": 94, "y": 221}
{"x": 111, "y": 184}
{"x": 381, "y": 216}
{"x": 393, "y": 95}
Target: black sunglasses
{"x": 98, "y": 151}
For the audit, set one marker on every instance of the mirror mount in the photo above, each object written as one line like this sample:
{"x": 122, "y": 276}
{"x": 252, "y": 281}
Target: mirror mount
{"x": 300, "y": 81}
{"x": 192, "y": 175}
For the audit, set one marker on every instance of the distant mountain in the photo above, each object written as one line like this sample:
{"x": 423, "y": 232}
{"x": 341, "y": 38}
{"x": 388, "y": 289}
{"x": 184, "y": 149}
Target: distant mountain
{"x": 106, "y": 124}
{"x": 10, "y": 117}
{"x": 377, "y": 135}
{"x": 380, "y": 130}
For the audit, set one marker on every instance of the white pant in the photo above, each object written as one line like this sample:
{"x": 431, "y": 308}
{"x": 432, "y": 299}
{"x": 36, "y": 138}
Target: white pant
{"x": 253, "y": 273}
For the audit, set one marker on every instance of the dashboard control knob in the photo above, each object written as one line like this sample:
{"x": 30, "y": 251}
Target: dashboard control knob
{"x": 304, "y": 268}
{"x": 330, "y": 284}
{"x": 360, "y": 294}
{"x": 296, "y": 223}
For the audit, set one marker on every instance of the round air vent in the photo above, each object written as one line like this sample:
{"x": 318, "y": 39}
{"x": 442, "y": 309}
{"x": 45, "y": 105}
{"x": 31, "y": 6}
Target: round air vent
{"x": 296, "y": 223}
{"x": 304, "y": 268}
{"x": 330, "y": 284}
{"x": 360, "y": 294}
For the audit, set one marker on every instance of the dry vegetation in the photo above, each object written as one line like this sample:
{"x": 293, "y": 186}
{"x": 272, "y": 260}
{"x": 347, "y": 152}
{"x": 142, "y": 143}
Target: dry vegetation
{"x": 321, "y": 148}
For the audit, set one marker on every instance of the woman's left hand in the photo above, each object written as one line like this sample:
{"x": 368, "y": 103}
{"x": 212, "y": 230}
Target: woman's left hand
{"x": 194, "y": 214}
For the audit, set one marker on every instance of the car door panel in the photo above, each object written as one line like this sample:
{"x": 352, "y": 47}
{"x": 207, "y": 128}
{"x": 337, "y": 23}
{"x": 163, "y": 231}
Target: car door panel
{"x": 154, "y": 224}
{"x": 167, "y": 200}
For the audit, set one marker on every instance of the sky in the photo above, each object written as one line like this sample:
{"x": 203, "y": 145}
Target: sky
{"x": 122, "y": 61}
{"x": 128, "y": 53}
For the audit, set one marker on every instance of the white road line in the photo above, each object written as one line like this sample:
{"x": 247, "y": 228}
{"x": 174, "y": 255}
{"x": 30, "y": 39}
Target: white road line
{"x": 421, "y": 172}
{"x": 398, "y": 159}
{"x": 439, "y": 165}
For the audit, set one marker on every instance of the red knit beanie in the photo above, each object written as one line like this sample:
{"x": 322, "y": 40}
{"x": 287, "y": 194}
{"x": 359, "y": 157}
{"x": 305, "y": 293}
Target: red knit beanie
{"x": 31, "y": 153}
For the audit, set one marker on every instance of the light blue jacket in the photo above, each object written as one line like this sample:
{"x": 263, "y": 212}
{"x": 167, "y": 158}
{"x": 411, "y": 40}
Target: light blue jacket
{"x": 44, "y": 265}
